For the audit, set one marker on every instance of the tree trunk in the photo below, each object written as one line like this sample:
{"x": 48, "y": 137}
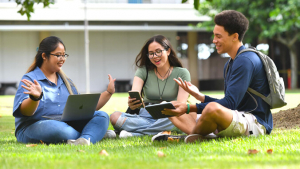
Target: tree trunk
{"x": 290, "y": 42}
{"x": 294, "y": 66}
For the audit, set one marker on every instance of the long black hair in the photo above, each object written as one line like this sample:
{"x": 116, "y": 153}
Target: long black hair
{"x": 143, "y": 60}
{"x": 46, "y": 46}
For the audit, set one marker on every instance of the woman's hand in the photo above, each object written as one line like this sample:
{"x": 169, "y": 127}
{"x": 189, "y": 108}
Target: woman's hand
{"x": 190, "y": 88}
{"x": 33, "y": 89}
{"x": 111, "y": 85}
{"x": 132, "y": 103}
{"x": 28, "y": 106}
{"x": 109, "y": 91}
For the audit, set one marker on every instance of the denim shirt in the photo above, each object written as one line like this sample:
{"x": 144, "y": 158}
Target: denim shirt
{"x": 52, "y": 103}
{"x": 246, "y": 70}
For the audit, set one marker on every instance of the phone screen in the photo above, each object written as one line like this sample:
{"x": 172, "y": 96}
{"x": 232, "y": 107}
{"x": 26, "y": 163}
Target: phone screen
{"x": 136, "y": 94}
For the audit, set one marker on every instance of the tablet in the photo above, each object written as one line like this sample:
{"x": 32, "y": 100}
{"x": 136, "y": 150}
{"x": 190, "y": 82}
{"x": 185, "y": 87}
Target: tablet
{"x": 155, "y": 109}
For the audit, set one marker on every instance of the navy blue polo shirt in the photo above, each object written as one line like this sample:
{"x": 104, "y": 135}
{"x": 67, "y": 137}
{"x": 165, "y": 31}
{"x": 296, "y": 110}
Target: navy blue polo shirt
{"x": 246, "y": 70}
{"x": 53, "y": 101}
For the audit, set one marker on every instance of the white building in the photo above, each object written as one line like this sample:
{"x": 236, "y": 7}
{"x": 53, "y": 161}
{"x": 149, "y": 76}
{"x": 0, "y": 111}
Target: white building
{"x": 117, "y": 31}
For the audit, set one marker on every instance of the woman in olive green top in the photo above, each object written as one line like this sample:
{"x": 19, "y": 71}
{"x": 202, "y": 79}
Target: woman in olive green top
{"x": 159, "y": 59}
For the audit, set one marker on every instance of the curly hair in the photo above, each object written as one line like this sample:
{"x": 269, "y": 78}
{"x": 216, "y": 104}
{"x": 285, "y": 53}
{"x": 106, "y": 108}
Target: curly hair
{"x": 233, "y": 22}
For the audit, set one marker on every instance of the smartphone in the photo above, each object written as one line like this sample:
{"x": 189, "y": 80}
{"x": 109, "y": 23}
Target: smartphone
{"x": 136, "y": 94}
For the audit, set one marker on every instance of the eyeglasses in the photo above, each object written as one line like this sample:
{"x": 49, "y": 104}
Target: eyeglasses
{"x": 157, "y": 53}
{"x": 65, "y": 56}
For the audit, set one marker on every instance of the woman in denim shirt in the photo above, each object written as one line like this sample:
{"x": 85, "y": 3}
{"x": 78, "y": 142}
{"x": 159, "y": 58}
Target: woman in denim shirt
{"x": 44, "y": 90}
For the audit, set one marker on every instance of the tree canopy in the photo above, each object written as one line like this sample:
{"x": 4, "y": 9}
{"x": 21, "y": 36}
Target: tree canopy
{"x": 27, "y": 6}
{"x": 274, "y": 19}
{"x": 268, "y": 18}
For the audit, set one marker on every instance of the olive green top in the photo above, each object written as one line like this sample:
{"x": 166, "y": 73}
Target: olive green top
{"x": 171, "y": 87}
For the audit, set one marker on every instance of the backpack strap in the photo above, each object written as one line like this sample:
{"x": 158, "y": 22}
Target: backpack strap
{"x": 227, "y": 68}
{"x": 249, "y": 90}
{"x": 266, "y": 99}
{"x": 254, "y": 101}
{"x": 142, "y": 91}
{"x": 251, "y": 49}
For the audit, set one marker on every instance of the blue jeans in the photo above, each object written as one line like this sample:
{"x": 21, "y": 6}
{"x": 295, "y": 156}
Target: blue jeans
{"x": 52, "y": 131}
{"x": 142, "y": 124}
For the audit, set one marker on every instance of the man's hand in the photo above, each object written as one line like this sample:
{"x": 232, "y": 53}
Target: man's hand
{"x": 190, "y": 88}
{"x": 180, "y": 109}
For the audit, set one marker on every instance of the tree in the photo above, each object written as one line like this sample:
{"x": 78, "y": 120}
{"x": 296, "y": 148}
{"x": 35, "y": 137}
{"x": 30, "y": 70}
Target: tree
{"x": 274, "y": 19}
{"x": 27, "y": 6}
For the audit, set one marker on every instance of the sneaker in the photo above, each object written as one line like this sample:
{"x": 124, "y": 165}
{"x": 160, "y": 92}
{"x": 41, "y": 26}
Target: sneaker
{"x": 110, "y": 134}
{"x": 125, "y": 134}
{"x": 117, "y": 131}
{"x": 166, "y": 137}
{"x": 71, "y": 142}
{"x": 79, "y": 141}
{"x": 193, "y": 138}
{"x": 197, "y": 137}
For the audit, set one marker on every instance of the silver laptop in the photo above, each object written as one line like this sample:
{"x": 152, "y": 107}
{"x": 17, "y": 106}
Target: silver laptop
{"x": 78, "y": 107}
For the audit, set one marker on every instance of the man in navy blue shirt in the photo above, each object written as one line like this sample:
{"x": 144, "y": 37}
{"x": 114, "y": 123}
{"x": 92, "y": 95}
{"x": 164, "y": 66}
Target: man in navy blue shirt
{"x": 239, "y": 113}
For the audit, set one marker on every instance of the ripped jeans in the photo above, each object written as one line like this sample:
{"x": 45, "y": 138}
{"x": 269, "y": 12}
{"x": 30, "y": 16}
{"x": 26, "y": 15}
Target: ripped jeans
{"x": 142, "y": 124}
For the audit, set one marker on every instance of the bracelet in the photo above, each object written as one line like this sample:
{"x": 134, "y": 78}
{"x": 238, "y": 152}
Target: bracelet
{"x": 109, "y": 92}
{"x": 36, "y": 99}
{"x": 188, "y": 108}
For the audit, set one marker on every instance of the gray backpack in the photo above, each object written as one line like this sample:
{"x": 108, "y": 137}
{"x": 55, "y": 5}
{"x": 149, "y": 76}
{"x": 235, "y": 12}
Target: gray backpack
{"x": 277, "y": 91}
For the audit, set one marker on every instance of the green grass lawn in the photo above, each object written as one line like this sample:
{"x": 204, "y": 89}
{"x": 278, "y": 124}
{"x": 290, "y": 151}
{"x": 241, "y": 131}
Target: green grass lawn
{"x": 140, "y": 152}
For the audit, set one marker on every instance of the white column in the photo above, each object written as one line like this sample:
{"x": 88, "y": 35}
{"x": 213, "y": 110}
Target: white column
{"x": 87, "y": 56}
{"x": 193, "y": 57}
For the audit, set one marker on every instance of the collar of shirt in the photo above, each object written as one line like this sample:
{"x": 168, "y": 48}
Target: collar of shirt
{"x": 41, "y": 76}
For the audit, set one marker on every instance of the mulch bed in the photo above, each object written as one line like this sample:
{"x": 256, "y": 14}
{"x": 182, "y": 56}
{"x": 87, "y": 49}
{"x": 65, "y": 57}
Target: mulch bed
{"x": 287, "y": 119}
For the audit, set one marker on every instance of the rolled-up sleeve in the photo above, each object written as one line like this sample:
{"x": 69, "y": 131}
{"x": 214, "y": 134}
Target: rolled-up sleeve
{"x": 20, "y": 97}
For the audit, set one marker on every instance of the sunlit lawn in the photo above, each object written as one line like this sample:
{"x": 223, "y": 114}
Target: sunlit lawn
{"x": 119, "y": 101}
{"x": 140, "y": 152}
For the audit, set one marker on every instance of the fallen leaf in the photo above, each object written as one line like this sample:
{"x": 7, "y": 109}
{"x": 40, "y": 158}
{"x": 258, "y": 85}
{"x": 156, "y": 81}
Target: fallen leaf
{"x": 31, "y": 145}
{"x": 162, "y": 147}
{"x": 12, "y": 132}
{"x": 254, "y": 151}
{"x": 160, "y": 154}
{"x": 81, "y": 151}
{"x": 41, "y": 142}
{"x": 103, "y": 152}
{"x": 270, "y": 151}
{"x": 173, "y": 139}
{"x": 236, "y": 140}
{"x": 170, "y": 139}
{"x": 166, "y": 132}
{"x": 0, "y": 116}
